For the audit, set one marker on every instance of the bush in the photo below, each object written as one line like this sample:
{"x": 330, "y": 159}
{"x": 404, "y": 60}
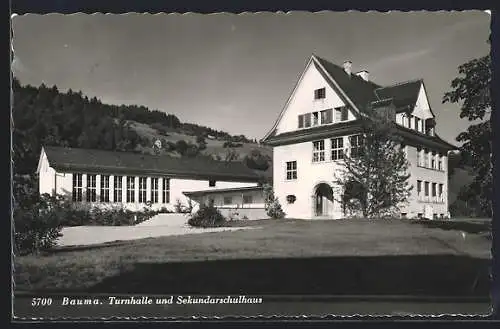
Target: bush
{"x": 272, "y": 204}
{"x": 275, "y": 211}
{"x": 207, "y": 216}
{"x": 37, "y": 224}
{"x": 180, "y": 208}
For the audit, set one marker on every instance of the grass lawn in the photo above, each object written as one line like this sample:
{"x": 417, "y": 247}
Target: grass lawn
{"x": 281, "y": 257}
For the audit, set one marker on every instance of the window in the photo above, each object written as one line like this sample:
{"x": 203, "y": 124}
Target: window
{"x": 426, "y": 188}
{"x": 104, "y": 188}
{"x": 211, "y": 183}
{"x": 433, "y": 190}
{"x": 341, "y": 114}
{"x": 318, "y": 151}
{"x": 440, "y": 162}
{"x": 301, "y": 121}
{"x": 228, "y": 200}
{"x": 326, "y": 116}
{"x": 440, "y": 192}
{"x": 315, "y": 119}
{"x": 142, "y": 189}
{"x": 337, "y": 148}
{"x": 406, "y": 120}
{"x": 433, "y": 160}
{"x": 247, "y": 199}
{"x": 419, "y": 156}
{"x": 154, "y": 190}
{"x": 130, "y": 189}
{"x": 356, "y": 144}
{"x": 91, "y": 188}
{"x": 307, "y": 120}
{"x": 118, "y": 186}
{"x": 319, "y": 93}
{"x": 427, "y": 155}
{"x": 417, "y": 124}
{"x": 345, "y": 114}
{"x": 165, "y": 192}
{"x": 291, "y": 170}
{"x": 419, "y": 188}
{"x": 77, "y": 187}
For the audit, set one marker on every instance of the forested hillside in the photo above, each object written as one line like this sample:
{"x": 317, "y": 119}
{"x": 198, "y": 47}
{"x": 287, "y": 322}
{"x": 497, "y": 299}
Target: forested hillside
{"x": 46, "y": 116}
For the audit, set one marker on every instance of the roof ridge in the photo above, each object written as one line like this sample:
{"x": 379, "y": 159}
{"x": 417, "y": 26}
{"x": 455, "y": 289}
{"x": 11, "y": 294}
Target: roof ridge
{"x": 382, "y": 100}
{"x": 401, "y": 83}
{"x": 207, "y": 159}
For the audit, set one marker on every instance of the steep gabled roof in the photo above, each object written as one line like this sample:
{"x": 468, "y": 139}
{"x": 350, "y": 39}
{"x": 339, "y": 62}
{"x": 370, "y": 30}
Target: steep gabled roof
{"x": 359, "y": 91}
{"x": 404, "y": 94}
{"x": 99, "y": 161}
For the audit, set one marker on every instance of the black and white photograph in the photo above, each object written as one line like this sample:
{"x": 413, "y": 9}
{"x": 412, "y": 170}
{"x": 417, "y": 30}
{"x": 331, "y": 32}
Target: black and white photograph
{"x": 257, "y": 164}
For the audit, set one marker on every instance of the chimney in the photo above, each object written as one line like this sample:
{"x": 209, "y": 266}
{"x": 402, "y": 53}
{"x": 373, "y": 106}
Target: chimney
{"x": 347, "y": 67}
{"x": 365, "y": 75}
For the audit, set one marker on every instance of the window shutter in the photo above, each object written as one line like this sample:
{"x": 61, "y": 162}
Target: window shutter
{"x": 301, "y": 121}
{"x": 307, "y": 120}
{"x": 329, "y": 116}
{"x": 344, "y": 113}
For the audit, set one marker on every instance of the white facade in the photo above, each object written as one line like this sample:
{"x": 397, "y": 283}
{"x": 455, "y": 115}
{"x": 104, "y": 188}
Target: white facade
{"x": 243, "y": 203}
{"x": 69, "y": 184}
{"x": 301, "y": 101}
{"x": 307, "y": 166}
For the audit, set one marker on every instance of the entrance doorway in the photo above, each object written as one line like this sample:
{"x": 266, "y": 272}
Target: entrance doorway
{"x": 323, "y": 197}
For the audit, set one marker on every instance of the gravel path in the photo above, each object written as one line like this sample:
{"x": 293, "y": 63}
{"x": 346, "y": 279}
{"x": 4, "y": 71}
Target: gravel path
{"x": 89, "y": 235}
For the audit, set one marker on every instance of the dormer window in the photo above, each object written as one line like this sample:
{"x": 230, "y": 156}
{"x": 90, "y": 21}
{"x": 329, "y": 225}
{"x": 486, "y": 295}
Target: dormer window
{"x": 320, "y": 93}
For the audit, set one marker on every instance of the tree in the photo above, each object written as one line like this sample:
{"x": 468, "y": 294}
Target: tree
{"x": 271, "y": 203}
{"x": 255, "y": 160}
{"x": 202, "y": 144}
{"x": 471, "y": 89}
{"x": 373, "y": 178}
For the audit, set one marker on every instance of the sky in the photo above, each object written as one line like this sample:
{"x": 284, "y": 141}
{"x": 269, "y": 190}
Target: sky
{"x": 235, "y": 72}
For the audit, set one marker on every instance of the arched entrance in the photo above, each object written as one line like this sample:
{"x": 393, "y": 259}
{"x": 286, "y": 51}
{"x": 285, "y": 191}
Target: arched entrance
{"x": 323, "y": 200}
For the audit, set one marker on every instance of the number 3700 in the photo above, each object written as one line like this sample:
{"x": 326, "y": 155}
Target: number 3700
{"x": 41, "y": 301}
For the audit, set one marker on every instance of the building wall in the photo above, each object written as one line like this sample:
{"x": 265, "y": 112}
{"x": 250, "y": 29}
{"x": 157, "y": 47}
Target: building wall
{"x": 427, "y": 206}
{"x": 237, "y": 208}
{"x": 237, "y": 199}
{"x": 52, "y": 182}
{"x": 302, "y": 100}
{"x": 310, "y": 174}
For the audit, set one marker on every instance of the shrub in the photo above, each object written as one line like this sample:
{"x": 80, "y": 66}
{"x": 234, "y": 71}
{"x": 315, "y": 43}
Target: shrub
{"x": 180, "y": 208}
{"x": 275, "y": 211}
{"x": 37, "y": 224}
{"x": 207, "y": 216}
{"x": 272, "y": 204}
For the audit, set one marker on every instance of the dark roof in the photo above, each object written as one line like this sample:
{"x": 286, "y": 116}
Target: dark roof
{"x": 366, "y": 95}
{"x": 359, "y": 91}
{"x": 354, "y": 127}
{"x": 223, "y": 190}
{"x": 404, "y": 94}
{"x": 362, "y": 92}
{"x": 90, "y": 160}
